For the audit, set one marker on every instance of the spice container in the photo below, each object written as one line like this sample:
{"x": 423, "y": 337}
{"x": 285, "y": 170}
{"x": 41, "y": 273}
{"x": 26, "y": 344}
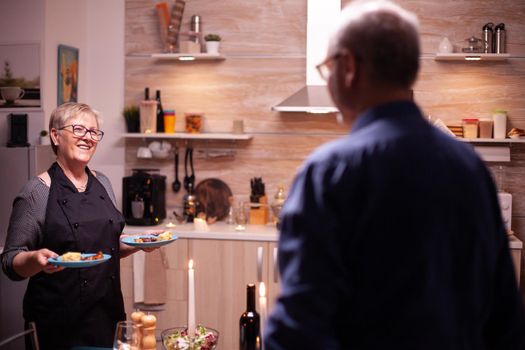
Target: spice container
{"x": 470, "y": 128}
{"x": 500, "y": 123}
{"x": 193, "y": 122}
{"x": 169, "y": 121}
{"x": 485, "y": 128}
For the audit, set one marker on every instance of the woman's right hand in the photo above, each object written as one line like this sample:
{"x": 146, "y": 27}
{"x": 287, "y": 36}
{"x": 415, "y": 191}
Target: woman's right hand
{"x": 42, "y": 256}
{"x": 28, "y": 264}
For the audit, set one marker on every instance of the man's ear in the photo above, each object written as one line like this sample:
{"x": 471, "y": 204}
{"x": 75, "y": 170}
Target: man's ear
{"x": 350, "y": 69}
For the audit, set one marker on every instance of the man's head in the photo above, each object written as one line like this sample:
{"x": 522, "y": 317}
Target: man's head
{"x": 373, "y": 55}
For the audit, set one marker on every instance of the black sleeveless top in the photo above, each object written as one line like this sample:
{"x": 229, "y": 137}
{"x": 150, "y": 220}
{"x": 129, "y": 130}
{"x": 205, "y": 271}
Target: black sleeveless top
{"x": 78, "y": 306}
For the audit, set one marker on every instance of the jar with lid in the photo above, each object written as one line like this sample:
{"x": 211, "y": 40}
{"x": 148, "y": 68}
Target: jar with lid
{"x": 500, "y": 123}
{"x": 470, "y": 128}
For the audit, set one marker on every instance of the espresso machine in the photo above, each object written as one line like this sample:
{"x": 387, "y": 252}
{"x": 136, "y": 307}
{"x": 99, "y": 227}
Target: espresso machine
{"x": 144, "y": 197}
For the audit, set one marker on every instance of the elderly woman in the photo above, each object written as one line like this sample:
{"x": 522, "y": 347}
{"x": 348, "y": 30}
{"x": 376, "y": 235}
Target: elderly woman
{"x": 68, "y": 208}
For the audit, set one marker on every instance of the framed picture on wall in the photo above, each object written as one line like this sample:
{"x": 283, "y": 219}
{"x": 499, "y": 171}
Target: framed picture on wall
{"x": 67, "y": 73}
{"x": 19, "y": 75}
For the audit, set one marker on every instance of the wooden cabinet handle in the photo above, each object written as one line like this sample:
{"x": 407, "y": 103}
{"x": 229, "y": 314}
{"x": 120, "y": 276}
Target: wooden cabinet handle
{"x": 260, "y": 264}
{"x": 275, "y": 266}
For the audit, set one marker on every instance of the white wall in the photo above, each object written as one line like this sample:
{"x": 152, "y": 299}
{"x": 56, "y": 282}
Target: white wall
{"x": 105, "y": 85}
{"x": 65, "y": 23}
{"x": 96, "y": 28}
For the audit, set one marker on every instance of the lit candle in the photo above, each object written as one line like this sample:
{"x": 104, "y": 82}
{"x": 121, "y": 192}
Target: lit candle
{"x": 262, "y": 306}
{"x": 191, "y": 300}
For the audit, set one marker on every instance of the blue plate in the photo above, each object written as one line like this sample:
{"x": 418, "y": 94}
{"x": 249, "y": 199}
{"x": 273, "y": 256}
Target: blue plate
{"x": 82, "y": 263}
{"x": 130, "y": 240}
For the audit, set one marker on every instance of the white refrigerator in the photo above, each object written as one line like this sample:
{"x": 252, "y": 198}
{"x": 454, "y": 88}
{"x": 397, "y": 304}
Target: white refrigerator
{"x": 17, "y": 166}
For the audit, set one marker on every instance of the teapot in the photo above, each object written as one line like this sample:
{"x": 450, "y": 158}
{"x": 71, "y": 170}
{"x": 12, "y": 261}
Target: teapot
{"x": 473, "y": 45}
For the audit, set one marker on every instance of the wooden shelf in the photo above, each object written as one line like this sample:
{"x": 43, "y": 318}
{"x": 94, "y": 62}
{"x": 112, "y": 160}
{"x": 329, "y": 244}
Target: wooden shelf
{"x": 188, "y": 56}
{"x": 188, "y": 136}
{"x": 471, "y": 56}
{"x": 496, "y": 141}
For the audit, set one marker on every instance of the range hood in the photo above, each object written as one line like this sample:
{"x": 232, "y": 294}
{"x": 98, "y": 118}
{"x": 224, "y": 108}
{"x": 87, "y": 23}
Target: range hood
{"x": 314, "y": 97}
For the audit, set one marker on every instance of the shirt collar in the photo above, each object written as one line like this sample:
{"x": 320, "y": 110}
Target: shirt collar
{"x": 397, "y": 110}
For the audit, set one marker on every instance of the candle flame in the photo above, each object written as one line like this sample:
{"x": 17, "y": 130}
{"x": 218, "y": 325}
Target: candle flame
{"x": 262, "y": 289}
{"x": 190, "y": 264}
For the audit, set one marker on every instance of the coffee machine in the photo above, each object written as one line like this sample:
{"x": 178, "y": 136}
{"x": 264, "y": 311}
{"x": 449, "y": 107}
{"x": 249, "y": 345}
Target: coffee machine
{"x": 144, "y": 197}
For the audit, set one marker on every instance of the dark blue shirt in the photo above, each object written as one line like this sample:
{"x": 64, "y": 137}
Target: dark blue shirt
{"x": 392, "y": 238}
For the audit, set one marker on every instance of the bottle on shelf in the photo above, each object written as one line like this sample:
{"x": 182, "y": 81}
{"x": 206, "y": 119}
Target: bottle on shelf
{"x": 160, "y": 113}
{"x": 250, "y": 323}
{"x": 146, "y": 93}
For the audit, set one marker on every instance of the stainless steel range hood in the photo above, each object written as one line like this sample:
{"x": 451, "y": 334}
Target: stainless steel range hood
{"x": 311, "y": 99}
{"x": 314, "y": 97}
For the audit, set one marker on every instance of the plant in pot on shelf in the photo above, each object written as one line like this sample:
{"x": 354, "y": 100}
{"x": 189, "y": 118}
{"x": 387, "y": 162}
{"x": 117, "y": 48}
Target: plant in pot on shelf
{"x": 212, "y": 43}
{"x": 44, "y": 138}
{"x": 132, "y": 116}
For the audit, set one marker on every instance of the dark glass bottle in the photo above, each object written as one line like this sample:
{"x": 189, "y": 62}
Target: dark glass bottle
{"x": 160, "y": 113}
{"x": 146, "y": 93}
{"x": 250, "y": 323}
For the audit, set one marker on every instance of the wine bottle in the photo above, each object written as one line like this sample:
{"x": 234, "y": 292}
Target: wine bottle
{"x": 160, "y": 114}
{"x": 146, "y": 93}
{"x": 250, "y": 323}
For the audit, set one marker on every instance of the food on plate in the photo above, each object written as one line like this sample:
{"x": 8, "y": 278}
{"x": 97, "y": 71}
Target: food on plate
{"x": 71, "y": 256}
{"x": 516, "y": 132}
{"x": 205, "y": 339}
{"x": 97, "y": 256}
{"x": 76, "y": 256}
{"x": 164, "y": 236}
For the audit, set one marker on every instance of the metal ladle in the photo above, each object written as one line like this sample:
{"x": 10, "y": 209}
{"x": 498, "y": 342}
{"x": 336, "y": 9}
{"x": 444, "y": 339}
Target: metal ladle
{"x": 176, "y": 184}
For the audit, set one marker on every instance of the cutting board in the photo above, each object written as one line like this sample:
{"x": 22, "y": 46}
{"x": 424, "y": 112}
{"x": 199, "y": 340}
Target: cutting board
{"x": 213, "y": 198}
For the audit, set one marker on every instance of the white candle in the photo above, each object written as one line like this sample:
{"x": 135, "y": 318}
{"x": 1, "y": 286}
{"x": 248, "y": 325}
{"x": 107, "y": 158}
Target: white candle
{"x": 191, "y": 300}
{"x": 262, "y": 306}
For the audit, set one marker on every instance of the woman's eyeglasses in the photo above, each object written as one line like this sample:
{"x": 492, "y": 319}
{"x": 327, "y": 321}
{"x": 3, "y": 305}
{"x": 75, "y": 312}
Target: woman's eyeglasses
{"x": 81, "y": 131}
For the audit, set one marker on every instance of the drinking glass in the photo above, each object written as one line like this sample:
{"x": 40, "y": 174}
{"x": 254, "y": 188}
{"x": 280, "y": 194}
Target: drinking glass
{"x": 126, "y": 336}
{"x": 241, "y": 217}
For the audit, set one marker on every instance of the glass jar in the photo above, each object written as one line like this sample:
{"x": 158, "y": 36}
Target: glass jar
{"x": 470, "y": 128}
{"x": 193, "y": 122}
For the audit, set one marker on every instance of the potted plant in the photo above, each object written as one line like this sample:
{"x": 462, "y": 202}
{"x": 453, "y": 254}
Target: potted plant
{"x": 132, "y": 116}
{"x": 212, "y": 43}
{"x": 44, "y": 138}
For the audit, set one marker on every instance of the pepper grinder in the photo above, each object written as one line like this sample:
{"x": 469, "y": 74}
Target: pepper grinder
{"x": 196, "y": 28}
{"x": 487, "y": 36}
{"x": 500, "y": 39}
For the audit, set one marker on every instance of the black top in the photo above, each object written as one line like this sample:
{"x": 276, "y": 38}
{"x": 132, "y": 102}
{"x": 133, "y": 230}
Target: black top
{"x": 78, "y": 306}
{"x": 392, "y": 238}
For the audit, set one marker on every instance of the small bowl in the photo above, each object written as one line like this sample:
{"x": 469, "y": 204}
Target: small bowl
{"x": 169, "y": 337}
{"x": 160, "y": 154}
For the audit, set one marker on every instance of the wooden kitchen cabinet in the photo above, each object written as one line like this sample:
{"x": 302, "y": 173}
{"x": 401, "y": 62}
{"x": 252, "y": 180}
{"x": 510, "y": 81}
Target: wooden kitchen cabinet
{"x": 223, "y": 268}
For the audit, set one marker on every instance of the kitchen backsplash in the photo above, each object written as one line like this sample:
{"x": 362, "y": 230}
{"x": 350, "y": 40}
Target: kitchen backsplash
{"x": 264, "y": 46}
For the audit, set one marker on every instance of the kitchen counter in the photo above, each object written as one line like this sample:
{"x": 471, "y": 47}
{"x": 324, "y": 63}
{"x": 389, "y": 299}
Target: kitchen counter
{"x": 218, "y": 230}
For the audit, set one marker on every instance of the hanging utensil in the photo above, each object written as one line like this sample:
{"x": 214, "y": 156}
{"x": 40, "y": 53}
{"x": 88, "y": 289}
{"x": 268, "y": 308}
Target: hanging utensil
{"x": 186, "y": 176}
{"x": 192, "y": 176}
{"x": 176, "y": 184}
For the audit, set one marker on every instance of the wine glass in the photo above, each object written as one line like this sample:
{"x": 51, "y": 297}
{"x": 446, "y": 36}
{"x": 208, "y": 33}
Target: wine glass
{"x": 126, "y": 336}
